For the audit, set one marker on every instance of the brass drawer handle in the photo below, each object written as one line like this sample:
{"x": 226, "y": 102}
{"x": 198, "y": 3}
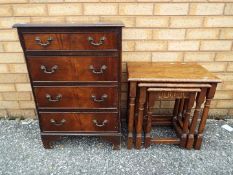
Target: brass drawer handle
{"x": 56, "y": 99}
{"x": 102, "y": 98}
{"x": 100, "y": 125}
{"x": 52, "y": 70}
{"x": 54, "y": 122}
{"x": 39, "y": 42}
{"x": 92, "y": 42}
{"x": 100, "y": 71}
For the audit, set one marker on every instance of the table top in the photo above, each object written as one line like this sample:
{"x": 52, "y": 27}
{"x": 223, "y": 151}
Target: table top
{"x": 169, "y": 72}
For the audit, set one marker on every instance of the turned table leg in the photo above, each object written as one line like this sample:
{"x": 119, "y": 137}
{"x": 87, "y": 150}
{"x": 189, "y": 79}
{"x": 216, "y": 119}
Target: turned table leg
{"x": 131, "y": 113}
{"x": 186, "y": 120}
{"x": 199, "y": 100}
{"x": 180, "y": 109}
{"x": 148, "y": 127}
{"x": 209, "y": 96}
{"x": 176, "y": 108}
{"x": 142, "y": 99}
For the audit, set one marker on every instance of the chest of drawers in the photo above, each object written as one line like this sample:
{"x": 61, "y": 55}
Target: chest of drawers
{"x": 75, "y": 73}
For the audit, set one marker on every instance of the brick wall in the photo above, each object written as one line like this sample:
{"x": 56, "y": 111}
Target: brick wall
{"x": 156, "y": 30}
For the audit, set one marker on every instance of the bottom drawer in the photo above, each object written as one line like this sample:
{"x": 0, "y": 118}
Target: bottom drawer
{"x": 79, "y": 122}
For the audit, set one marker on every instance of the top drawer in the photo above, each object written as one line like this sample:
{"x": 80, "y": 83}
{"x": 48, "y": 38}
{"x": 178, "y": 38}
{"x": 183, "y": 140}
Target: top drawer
{"x": 70, "y": 41}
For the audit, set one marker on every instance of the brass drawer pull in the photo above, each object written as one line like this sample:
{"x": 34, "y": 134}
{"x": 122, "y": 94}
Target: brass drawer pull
{"x": 57, "y": 98}
{"x": 92, "y": 42}
{"x": 39, "y": 42}
{"x": 102, "y": 98}
{"x": 100, "y": 125}
{"x": 100, "y": 71}
{"x": 54, "y": 122}
{"x": 52, "y": 70}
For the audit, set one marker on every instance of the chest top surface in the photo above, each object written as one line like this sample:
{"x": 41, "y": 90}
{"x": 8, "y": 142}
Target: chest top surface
{"x": 169, "y": 72}
{"x": 66, "y": 25}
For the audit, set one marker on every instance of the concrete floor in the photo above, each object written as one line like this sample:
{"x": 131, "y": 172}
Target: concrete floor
{"x": 21, "y": 152}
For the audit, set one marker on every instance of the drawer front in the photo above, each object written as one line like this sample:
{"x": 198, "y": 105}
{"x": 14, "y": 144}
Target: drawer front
{"x": 64, "y": 68}
{"x": 76, "y": 97}
{"x": 82, "y": 122}
{"x": 71, "y": 41}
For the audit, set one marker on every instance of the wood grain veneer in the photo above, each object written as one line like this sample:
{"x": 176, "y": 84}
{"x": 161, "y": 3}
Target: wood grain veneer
{"x": 75, "y": 73}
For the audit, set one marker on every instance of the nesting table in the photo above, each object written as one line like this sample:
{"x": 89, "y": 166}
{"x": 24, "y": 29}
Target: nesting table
{"x": 143, "y": 76}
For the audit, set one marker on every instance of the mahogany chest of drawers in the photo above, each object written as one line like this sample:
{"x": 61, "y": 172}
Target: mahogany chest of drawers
{"x": 75, "y": 73}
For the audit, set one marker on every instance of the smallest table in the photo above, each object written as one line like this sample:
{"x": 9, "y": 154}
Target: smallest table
{"x": 167, "y": 74}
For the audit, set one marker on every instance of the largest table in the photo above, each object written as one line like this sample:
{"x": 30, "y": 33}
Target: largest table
{"x": 185, "y": 73}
